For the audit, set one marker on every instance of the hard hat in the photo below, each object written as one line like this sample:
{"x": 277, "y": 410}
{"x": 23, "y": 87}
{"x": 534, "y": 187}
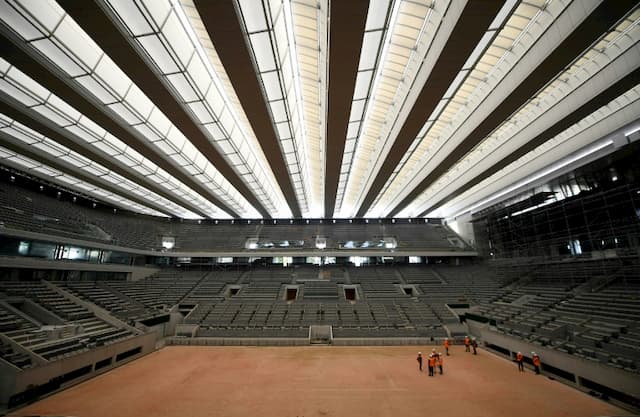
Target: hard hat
{"x": 419, "y": 353}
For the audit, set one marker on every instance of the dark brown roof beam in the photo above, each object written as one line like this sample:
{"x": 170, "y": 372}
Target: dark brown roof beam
{"x": 346, "y": 30}
{"x": 601, "y": 20}
{"x": 620, "y": 87}
{"x": 469, "y": 29}
{"x": 228, "y": 37}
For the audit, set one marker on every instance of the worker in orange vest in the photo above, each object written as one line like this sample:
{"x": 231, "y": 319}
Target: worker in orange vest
{"x": 432, "y": 363}
{"x": 519, "y": 361}
{"x": 536, "y": 362}
{"x": 446, "y": 345}
{"x": 466, "y": 344}
{"x": 440, "y": 362}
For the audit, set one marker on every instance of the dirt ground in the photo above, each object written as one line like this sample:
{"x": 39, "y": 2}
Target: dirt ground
{"x": 317, "y": 381}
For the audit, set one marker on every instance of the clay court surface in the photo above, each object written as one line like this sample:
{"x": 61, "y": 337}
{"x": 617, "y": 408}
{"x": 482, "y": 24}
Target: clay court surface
{"x": 316, "y": 381}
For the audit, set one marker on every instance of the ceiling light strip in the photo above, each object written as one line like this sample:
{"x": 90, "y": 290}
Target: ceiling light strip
{"x": 375, "y": 45}
{"x": 404, "y": 56}
{"x": 245, "y": 146}
{"x": 168, "y": 39}
{"x": 310, "y": 30}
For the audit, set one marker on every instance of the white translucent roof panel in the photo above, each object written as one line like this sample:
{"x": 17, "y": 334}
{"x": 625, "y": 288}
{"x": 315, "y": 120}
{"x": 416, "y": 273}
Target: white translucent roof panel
{"x": 86, "y": 59}
{"x": 620, "y": 44}
{"x": 576, "y": 140}
{"x": 398, "y": 36}
{"x": 272, "y": 40}
{"x": 88, "y": 131}
{"x": 176, "y": 49}
{"x": 497, "y": 53}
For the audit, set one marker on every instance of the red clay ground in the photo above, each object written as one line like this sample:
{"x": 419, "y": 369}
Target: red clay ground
{"x": 317, "y": 381}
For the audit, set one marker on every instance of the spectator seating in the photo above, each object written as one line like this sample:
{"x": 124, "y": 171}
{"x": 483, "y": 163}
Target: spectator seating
{"x": 80, "y": 329}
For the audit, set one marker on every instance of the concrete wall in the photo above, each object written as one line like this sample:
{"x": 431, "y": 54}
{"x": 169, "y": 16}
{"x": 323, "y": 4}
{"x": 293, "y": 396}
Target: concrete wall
{"x": 230, "y": 341}
{"x": 15, "y": 381}
{"x": 175, "y": 320}
{"x": 464, "y": 228}
{"x": 7, "y": 379}
{"x": 137, "y": 272}
{"x": 383, "y": 341}
{"x": 277, "y": 341}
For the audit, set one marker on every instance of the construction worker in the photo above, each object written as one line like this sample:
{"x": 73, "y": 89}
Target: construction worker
{"x": 474, "y": 343}
{"x": 432, "y": 363}
{"x": 536, "y": 362}
{"x": 467, "y": 341}
{"x": 419, "y": 359}
{"x": 446, "y": 345}
{"x": 520, "y": 361}
{"x": 440, "y": 362}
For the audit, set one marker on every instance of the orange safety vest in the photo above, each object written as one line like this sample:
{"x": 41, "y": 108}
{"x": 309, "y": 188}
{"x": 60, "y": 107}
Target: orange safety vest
{"x": 440, "y": 360}
{"x": 519, "y": 357}
{"x": 432, "y": 361}
{"x": 536, "y": 361}
{"x": 466, "y": 341}
{"x": 446, "y": 343}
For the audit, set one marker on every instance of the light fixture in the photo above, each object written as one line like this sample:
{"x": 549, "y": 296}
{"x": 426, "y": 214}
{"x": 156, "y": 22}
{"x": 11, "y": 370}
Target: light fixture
{"x": 168, "y": 242}
{"x": 321, "y": 242}
{"x": 251, "y": 243}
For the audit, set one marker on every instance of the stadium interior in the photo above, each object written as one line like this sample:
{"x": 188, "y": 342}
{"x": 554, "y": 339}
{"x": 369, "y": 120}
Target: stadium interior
{"x": 306, "y": 172}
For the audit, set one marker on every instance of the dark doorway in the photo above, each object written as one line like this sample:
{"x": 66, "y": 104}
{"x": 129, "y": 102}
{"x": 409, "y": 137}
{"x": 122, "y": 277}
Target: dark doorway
{"x": 350, "y": 294}
{"x": 292, "y": 294}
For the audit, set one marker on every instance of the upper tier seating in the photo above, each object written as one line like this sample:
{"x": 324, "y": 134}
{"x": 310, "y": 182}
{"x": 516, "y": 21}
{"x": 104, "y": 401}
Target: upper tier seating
{"x": 22, "y": 209}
